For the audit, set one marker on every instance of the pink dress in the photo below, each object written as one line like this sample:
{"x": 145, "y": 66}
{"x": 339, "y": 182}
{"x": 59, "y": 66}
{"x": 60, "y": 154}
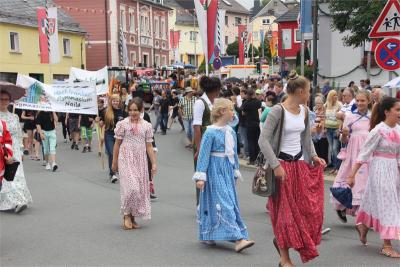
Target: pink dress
{"x": 359, "y": 127}
{"x": 380, "y": 207}
{"x": 132, "y": 166}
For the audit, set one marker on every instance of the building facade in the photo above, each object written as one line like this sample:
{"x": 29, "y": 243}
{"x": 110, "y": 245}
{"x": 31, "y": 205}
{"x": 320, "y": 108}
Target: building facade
{"x": 19, "y": 43}
{"x": 144, "y": 24}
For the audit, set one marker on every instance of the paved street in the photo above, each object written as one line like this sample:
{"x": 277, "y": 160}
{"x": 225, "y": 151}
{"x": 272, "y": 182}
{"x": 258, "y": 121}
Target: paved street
{"x": 75, "y": 221}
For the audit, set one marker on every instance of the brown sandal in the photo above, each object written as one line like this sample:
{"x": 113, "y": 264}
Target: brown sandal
{"x": 362, "y": 235}
{"x": 134, "y": 223}
{"x": 127, "y": 224}
{"x": 391, "y": 253}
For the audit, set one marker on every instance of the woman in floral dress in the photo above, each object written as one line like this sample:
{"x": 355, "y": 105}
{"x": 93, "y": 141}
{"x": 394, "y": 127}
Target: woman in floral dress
{"x": 14, "y": 195}
{"x": 380, "y": 207}
{"x": 354, "y": 133}
{"x": 133, "y": 139}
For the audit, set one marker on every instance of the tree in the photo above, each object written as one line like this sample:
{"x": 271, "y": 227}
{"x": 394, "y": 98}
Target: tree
{"x": 356, "y": 17}
{"x": 233, "y": 49}
{"x": 306, "y": 56}
{"x": 250, "y": 51}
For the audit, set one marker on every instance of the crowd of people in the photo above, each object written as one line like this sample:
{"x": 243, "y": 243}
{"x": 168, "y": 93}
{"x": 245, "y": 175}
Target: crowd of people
{"x": 354, "y": 132}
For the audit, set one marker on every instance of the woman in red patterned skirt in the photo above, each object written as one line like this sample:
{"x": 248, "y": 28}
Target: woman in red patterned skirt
{"x": 296, "y": 209}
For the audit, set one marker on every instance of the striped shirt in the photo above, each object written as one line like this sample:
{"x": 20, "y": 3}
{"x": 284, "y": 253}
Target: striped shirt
{"x": 187, "y": 107}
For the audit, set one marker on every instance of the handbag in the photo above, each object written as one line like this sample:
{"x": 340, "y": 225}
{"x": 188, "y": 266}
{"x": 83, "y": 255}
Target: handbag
{"x": 264, "y": 181}
{"x": 9, "y": 169}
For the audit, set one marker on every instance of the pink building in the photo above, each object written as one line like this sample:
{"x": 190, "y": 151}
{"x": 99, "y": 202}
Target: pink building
{"x": 144, "y": 24}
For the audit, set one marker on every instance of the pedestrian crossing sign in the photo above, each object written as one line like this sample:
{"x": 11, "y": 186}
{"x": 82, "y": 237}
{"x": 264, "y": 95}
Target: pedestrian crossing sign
{"x": 388, "y": 22}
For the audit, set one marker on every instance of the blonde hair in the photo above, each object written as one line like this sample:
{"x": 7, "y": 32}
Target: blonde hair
{"x": 329, "y": 101}
{"x": 109, "y": 116}
{"x": 219, "y": 107}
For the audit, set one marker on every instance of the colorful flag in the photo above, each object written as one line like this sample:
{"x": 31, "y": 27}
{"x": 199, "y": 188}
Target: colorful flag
{"x": 273, "y": 44}
{"x": 305, "y": 16}
{"x": 212, "y": 11}
{"x": 242, "y": 33}
{"x": 174, "y": 39}
{"x": 52, "y": 23}
{"x": 43, "y": 39}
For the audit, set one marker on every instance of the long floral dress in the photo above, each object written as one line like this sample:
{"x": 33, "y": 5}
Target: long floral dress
{"x": 359, "y": 127}
{"x": 133, "y": 168}
{"x": 218, "y": 213}
{"x": 380, "y": 207}
{"x": 16, "y": 192}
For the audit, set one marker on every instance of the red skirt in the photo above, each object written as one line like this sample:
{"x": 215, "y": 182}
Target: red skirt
{"x": 296, "y": 210}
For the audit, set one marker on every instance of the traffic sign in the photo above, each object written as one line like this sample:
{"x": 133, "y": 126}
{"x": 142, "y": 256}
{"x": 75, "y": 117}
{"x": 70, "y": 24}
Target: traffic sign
{"x": 387, "y": 54}
{"x": 388, "y": 22}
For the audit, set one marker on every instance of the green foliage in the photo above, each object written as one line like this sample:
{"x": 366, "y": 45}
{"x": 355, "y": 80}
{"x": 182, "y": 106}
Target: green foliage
{"x": 233, "y": 49}
{"x": 306, "y": 56}
{"x": 308, "y": 71}
{"x": 250, "y": 51}
{"x": 202, "y": 68}
{"x": 357, "y": 17}
{"x": 267, "y": 51}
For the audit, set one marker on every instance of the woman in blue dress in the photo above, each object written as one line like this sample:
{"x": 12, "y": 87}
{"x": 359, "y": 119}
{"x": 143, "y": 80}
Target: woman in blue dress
{"x": 216, "y": 174}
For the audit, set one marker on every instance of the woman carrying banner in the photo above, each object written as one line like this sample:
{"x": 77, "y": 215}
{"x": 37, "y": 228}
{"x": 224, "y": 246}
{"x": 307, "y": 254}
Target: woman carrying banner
{"x": 113, "y": 114}
{"x": 14, "y": 195}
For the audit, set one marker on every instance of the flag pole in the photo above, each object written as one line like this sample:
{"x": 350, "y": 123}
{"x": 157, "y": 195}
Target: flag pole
{"x": 206, "y": 54}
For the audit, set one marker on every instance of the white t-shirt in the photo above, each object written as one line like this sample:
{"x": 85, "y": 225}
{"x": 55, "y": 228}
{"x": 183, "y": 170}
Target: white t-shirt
{"x": 292, "y": 129}
{"x": 198, "y": 109}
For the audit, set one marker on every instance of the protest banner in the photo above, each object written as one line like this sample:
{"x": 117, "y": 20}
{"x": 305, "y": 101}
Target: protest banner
{"x": 100, "y": 77}
{"x": 67, "y": 97}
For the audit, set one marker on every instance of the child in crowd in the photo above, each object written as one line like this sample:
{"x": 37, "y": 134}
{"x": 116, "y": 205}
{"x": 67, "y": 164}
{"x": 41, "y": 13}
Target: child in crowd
{"x": 216, "y": 174}
{"x": 86, "y": 124}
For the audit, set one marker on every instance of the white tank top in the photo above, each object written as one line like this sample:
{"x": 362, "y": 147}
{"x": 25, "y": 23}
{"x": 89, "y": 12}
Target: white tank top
{"x": 292, "y": 129}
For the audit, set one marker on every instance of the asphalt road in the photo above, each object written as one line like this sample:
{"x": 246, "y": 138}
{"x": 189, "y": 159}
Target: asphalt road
{"x": 75, "y": 221}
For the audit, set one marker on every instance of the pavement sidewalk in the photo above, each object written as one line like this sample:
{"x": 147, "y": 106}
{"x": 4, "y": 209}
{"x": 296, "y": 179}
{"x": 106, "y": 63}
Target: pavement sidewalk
{"x": 243, "y": 163}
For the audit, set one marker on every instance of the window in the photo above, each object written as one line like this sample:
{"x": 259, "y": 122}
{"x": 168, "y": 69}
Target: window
{"x": 133, "y": 58}
{"x": 60, "y": 77}
{"x": 191, "y": 59}
{"x": 238, "y": 21}
{"x": 287, "y": 38}
{"x": 297, "y": 36}
{"x": 266, "y": 21}
{"x": 123, "y": 20}
{"x": 275, "y": 3}
{"x": 157, "y": 61}
{"x": 226, "y": 40}
{"x": 14, "y": 42}
{"x": 163, "y": 30}
{"x": 245, "y": 21}
{"x": 10, "y": 77}
{"x": 157, "y": 27}
{"x": 226, "y": 21}
{"x": 131, "y": 22}
{"x": 67, "y": 47}
{"x": 193, "y": 36}
{"x": 163, "y": 60}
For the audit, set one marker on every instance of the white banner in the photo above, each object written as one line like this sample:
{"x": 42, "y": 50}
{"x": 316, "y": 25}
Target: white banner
{"x": 68, "y": 97}
{"x": 53, "y": 35}
{"x": 100, "y": 77}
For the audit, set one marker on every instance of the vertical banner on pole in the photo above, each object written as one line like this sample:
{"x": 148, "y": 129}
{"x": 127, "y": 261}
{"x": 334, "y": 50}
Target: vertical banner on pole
{"x": 201, "y": 13}
{"x": 242, "y": 37}
{"x": 305, "y": 16}
{"x": 52, "y": 23}
{"x": 43, "y": 41}
{"x": 212, "y": 12}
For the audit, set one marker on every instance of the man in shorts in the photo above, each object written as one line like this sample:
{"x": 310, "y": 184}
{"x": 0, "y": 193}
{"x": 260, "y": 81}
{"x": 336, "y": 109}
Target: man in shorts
{"x": 73, "y": 122}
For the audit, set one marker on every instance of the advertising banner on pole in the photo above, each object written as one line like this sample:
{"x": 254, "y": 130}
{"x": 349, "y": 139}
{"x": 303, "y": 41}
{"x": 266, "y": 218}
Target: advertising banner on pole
{"x": 100, "y": 77}
{"x": 242, "y": 39}
{"x": 80, "y": 98}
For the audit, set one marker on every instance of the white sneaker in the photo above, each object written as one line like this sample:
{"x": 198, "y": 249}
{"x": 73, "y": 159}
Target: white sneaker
{"x": 48, "y": 167}
{"x": 114, "y": 179}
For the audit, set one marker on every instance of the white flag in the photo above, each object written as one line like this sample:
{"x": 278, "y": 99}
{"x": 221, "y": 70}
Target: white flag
{"x": 53, "y": 35}
{"x": 221, "y": 27}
